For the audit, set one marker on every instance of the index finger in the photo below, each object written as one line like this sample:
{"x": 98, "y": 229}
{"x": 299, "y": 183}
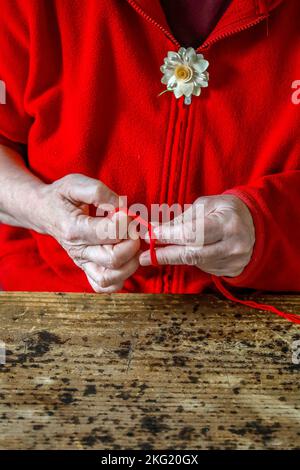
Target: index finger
{"x": 200, "y": 231}
{"x": 100, "y": 230}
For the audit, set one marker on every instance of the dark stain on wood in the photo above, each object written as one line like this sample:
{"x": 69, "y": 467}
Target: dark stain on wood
{"x": 90, "y": 389}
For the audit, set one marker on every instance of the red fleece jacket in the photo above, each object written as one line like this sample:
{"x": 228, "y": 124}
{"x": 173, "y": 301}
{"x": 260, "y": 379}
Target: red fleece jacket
{"x": 82, "y": 81}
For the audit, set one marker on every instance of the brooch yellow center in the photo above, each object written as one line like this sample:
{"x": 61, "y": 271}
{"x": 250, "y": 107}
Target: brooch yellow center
{"x": 183, "y": 72}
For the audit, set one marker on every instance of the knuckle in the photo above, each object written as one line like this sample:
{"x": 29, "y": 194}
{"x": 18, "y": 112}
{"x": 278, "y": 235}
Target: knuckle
{"x": 101, "y": 289}
{"x": 239, "y": 247}
{"x": 114, "y": 260}
{"x": 234, "y": 271}
{"x": 67, "y": 183}
{"x": 69, "y": 232}
{"x": 72, "y": 178}
{"x": 190, "y": 256}
{"x": 234, "y": 225}
{"x": 189, "y": 236}
{"x": 98, "y": 191}
{"x": 83, "y": 252}
{"x": 202, "y": 200}
{"x": 114, "y": 288}
{"x": 95, "y": 273}
{"x": 97, "y": 288}
{"x": 100, "y": 278}
{"x": 75, "y": 252}
{"x": 107, "y": 289}
{"x": 67, "y": 227}
{"x": 67, "y": 180}
{"x": 103, "y": 281}
{"x": 106, "y": 280}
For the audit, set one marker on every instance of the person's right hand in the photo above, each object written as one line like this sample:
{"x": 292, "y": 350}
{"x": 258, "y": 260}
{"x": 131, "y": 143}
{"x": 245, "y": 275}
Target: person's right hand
{"x": 63, "y": 213}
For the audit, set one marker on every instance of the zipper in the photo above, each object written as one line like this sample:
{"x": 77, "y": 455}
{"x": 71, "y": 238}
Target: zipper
{"x": 246, "y": 26}
{"x": 207, "y": 43}
{"x": 151, "y": 20}
{"x": 182, "y": 116}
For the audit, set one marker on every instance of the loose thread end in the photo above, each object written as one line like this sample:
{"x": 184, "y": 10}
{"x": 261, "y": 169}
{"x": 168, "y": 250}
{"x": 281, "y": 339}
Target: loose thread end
{"x": 250, "y": 303}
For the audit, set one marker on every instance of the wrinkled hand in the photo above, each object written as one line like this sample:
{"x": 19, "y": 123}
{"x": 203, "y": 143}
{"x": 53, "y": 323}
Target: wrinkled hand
{"x": 63, "y": 212}
{"x": 229, "y": 237}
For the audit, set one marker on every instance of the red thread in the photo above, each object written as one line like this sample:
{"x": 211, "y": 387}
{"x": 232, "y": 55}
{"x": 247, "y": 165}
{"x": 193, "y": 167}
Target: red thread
{"x": 216, "y": 280}
{"x": 149, "y": 226}
{"x": 250, "y": 303}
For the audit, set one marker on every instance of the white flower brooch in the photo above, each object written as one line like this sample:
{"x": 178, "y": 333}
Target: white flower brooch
{"x": 185, "y": 73}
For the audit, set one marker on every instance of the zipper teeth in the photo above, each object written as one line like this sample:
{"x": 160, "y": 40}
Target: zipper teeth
{"x": 144, "y": 14}
{"x": 206, "y": 44}
{"x": 230, "y": 33}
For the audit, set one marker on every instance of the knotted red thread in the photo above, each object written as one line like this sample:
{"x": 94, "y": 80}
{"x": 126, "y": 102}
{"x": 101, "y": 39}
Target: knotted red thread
{"x": 148, "y": 225}
{"x": 216, "y": 280}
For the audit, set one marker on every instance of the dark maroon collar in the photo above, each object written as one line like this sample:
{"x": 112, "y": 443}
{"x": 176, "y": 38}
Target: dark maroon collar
{"x": 191, "y": 21}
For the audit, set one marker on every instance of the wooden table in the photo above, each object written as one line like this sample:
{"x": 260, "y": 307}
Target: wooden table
{"x": 147, "y": 371}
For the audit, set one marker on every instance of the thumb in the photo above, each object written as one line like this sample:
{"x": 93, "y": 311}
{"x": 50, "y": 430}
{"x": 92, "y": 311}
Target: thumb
{"x": 83, "y": 189}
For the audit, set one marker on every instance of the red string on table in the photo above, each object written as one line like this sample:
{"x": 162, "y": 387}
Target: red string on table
{"x": 216, "y": 280}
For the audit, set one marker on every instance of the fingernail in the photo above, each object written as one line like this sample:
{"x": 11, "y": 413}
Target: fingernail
{"x": 144, "y": 260}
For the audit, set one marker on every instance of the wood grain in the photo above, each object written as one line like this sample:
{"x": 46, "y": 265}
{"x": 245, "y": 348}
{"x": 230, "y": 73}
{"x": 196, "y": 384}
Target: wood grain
{"x": 147, "y": 371}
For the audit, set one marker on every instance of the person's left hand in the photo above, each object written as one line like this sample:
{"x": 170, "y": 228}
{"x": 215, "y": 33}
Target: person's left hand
{"x": 229, "y": 237}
